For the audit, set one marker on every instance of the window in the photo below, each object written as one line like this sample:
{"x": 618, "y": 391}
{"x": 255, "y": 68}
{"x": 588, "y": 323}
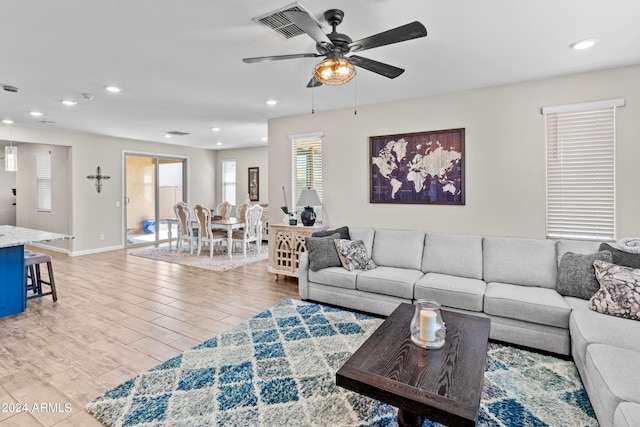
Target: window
{"x": 581, "y": 170}
{"x": 43, "y": 182}
{"x": 306, "y": 156}
{"x": 229, "y": 181}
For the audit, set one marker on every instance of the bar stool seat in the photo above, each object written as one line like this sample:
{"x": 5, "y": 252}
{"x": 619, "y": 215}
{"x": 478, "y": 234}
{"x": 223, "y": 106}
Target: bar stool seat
{"x": 32, "y": 261}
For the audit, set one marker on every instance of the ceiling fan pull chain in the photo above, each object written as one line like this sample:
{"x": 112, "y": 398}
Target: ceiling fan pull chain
{"x": 355, "y": 95}
{"x": 313, "y": 111}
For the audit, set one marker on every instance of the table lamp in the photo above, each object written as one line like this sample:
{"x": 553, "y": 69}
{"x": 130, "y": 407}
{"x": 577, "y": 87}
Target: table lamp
{"x": 308, "y": 198}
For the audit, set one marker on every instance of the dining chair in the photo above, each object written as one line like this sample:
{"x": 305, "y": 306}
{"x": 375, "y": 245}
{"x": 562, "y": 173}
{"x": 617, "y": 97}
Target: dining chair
{"x": 207, "y": 236}
{"x": 241, "y": 210}
{"x": 223, "y": 209}
{"x": 252, "y": 231}
{"x": 186, "y": 230}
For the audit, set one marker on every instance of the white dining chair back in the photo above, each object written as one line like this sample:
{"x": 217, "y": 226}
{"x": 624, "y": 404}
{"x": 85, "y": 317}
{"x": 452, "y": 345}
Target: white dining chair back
{"x": 185, "y": 226}
{"x": 207, "y": 236}
{"x": 224, "y": 209}
{"x": 252, "y": 231}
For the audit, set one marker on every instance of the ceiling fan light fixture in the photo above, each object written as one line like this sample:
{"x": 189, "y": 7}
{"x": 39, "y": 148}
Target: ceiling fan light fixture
{"x": 334, "y": 71}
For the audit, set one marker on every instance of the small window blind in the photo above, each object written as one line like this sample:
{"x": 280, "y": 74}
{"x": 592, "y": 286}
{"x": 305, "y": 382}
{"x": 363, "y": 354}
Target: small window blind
{"x": 581, "y": 171}
{"x": 306, "y": 167}
{"x": 229, "y": 181}
{"x": 43, "y": 182}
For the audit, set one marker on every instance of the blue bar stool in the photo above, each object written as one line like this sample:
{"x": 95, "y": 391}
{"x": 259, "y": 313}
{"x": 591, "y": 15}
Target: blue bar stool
{"x": 32, "y": 261}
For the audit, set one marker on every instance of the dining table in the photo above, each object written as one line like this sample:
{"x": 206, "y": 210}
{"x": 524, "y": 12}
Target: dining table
{"x": 229, "y": 224}
{"x": 12, "y": 270}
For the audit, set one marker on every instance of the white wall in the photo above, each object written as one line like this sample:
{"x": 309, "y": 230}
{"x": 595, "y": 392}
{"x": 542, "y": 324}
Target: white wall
{"x": 504, "y": 155}
{"x": 7, "y": 182}
{"x": 59, "y": 220}
{"x": 92, "y": 213}
{"x": 245, "y": 158}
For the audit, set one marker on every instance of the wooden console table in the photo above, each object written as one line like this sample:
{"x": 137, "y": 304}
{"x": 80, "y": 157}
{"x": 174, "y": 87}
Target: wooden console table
{"x": 287, "y": 245}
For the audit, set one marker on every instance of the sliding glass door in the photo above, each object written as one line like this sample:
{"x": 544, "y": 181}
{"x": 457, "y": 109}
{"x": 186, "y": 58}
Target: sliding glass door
{"x": 153, "y": 184}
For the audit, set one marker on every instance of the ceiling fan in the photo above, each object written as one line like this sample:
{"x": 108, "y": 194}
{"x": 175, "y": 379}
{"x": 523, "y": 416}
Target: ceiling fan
{"x": 337, "y": 68}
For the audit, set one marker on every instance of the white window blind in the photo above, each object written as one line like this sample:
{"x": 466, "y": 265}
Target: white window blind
{"x": 43, "y": 182}
{"x": 581, "y": 172}
{"x": 229, "y": 181}
{"x": 306, "y": 167}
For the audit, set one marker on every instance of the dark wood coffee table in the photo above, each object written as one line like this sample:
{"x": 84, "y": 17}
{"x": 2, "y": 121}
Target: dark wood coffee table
{"x": 443, "y": 385}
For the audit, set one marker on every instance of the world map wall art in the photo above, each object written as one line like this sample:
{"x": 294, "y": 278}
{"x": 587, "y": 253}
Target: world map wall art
{"x": 422, "y": 167}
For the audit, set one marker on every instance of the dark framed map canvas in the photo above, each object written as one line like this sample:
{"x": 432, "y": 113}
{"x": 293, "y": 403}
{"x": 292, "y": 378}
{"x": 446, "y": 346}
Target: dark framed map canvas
{"x": 423, "y": 167}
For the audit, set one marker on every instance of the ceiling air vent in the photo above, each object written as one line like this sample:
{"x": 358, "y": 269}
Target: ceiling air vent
{"x": 177, "y": 133}
{"x": 278, "y": 22}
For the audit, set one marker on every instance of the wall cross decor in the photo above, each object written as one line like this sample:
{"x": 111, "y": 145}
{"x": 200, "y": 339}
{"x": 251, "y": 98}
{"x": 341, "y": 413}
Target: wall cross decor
{"x": 98, "y": 177}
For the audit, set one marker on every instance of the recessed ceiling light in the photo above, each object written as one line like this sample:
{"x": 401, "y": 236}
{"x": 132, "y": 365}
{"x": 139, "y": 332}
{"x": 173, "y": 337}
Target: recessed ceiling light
{"x": 263, "y": 138}
{"x": 215, "y": 129}
{"x": 582, "y": 44}
{"x": 271, "y": 102}
{"x": 35, "y": 113}
{"x": 69, "y": 102}
{"x": 218, "y": 143}
{"x": 166, "y": 135}
{"x": 113, "y": 89}
{"x": 7, "y": 121}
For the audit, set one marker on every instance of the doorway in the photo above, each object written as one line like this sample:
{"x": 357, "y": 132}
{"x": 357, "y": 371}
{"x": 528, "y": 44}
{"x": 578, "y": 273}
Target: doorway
{"x": 153, "y": 184}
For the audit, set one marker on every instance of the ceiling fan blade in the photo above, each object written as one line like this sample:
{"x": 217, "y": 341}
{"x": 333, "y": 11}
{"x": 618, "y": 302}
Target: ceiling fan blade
{"x": 377, "y": 67}
{"x": 313, "y": 83}
{"x": 309, "y": 26}
{"x": 409, "y": 31}
{"x": 278, "y": 57}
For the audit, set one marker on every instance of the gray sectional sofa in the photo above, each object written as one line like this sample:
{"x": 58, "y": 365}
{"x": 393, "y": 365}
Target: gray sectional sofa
{"x": 510, "y": 280}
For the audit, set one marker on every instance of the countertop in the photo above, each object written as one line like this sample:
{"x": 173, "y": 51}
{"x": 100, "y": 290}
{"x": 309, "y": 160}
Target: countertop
{"x": 11, "y": 235}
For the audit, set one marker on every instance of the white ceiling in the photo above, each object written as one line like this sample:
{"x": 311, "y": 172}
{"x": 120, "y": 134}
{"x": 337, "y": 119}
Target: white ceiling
{"x": 180, "y": 66}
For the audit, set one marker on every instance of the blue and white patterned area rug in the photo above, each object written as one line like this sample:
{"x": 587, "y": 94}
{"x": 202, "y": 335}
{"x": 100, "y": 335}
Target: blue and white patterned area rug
{"x": 278, "y": 369}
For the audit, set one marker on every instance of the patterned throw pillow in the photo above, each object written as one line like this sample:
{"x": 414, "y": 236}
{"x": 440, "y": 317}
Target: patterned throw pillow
{"x": 619, "y": 293}
{"x": 576, "y": 276}
{"x": 353, "y": 255}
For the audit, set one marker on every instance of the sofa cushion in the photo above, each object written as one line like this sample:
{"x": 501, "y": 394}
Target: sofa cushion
{"x": 526, "y": 262}
{"x": 398, "y": 248}
{"x": 577, "y": 276}
{"x": 627, "y": 415}
{"x": 342, "y": 231}
{"x": 588, "y": 327}
{"x": 621, "y": 257}
{"x": 455, "y": 254}
{"x": 393, "y": 281}
{"x": 334, "y": 276}
{"x": 451, "y": 291}
{"x": 366, "y": 234}
{"x": 353, "y": 255}
{"x": 614, "y": 375}
{"x": 619, "y": 293}
{"x": 576, "y": 246}
{"x": 528, "y": 303}
{"x": 322, "y": 252}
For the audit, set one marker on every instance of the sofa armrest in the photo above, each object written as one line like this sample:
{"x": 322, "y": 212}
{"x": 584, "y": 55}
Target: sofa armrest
{"x": 303, "y": 275}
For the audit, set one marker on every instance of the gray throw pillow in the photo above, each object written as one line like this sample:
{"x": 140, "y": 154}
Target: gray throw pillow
{"x": 577, "y": 276}
{"x": 343, "y": 231}
{"x": 322, "y": 252}
{"x": 626, "y": 259}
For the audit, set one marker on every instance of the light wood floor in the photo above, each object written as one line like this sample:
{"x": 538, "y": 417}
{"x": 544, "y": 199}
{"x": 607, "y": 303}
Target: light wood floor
{"x": 117, "y": 315}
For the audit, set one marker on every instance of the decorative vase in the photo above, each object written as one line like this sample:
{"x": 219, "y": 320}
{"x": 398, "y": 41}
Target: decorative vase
{"x": 308, "y": 216}
{"x": 427, "y": 327}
